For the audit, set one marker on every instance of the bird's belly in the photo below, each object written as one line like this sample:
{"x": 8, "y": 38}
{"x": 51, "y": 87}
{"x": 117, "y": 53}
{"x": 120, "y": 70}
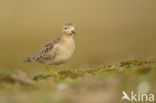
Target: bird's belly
{"x": 63, "y": 54}
{"x": 61, "y": 59}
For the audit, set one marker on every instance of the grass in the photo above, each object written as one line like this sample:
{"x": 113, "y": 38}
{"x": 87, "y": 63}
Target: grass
{"x": 102, "y": 84}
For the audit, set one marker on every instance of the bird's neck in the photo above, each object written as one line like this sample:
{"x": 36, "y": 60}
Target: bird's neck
{"x": 66, "y": 35}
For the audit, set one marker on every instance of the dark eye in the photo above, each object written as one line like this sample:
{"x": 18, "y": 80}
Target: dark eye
{"x": 65, "y": 28}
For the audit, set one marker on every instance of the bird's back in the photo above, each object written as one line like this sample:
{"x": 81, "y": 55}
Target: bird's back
{"x": 46, "y": 53}
{"x": 55, "y": 52}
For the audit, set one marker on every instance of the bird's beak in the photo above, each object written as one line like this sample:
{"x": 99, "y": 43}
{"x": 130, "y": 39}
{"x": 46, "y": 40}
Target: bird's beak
{"x": 73, "y": 32}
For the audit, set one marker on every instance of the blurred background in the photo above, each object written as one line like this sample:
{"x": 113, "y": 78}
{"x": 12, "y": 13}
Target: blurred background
{"x": 108, "y": 30}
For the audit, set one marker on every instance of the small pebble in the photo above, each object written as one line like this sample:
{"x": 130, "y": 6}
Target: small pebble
{"x": 62, "y": 86}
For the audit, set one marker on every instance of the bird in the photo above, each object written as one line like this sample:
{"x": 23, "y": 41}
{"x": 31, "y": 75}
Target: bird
{"x": 57, "y": 51}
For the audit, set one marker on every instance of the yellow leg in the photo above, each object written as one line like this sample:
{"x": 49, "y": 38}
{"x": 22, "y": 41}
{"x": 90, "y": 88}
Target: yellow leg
{"x": 53, "y": 71}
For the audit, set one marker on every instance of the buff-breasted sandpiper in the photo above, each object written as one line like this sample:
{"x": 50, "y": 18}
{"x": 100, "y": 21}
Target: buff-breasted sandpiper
{"x": 57, "y": 51}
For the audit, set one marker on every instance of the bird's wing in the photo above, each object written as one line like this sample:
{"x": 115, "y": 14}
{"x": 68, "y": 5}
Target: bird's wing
{"x": 49, "y": 50}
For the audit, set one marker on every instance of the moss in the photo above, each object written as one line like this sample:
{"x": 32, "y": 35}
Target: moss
{"x": 132, "y": 65}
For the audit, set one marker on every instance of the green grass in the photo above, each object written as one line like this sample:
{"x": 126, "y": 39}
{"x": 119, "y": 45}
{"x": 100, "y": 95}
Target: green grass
{"x": 101, "y": 84}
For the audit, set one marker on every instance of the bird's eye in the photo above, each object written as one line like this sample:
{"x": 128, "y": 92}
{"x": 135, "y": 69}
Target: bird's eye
{"x": 65, "y": 28}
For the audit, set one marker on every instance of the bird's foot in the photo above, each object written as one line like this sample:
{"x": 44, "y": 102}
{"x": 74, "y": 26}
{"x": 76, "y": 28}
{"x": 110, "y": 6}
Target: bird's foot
{"x": 54, "y": 72}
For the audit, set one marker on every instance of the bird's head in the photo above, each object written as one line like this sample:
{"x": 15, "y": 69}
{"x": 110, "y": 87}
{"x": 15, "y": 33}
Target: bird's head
{"x": 69, "y": 29}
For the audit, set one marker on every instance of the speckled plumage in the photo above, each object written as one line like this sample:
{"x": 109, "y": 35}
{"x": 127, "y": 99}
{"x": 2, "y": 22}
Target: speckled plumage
{"x": 58, "y": 51}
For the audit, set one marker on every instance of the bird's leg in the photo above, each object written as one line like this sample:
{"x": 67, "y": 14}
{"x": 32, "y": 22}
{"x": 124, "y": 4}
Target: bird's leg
{"x": 53, "y": 71}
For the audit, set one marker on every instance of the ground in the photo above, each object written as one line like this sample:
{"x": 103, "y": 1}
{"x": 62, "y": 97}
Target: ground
{"x": 101, "y": 84}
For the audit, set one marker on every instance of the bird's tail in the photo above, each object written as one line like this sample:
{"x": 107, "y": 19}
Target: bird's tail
{"x": 31, "y": 59}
